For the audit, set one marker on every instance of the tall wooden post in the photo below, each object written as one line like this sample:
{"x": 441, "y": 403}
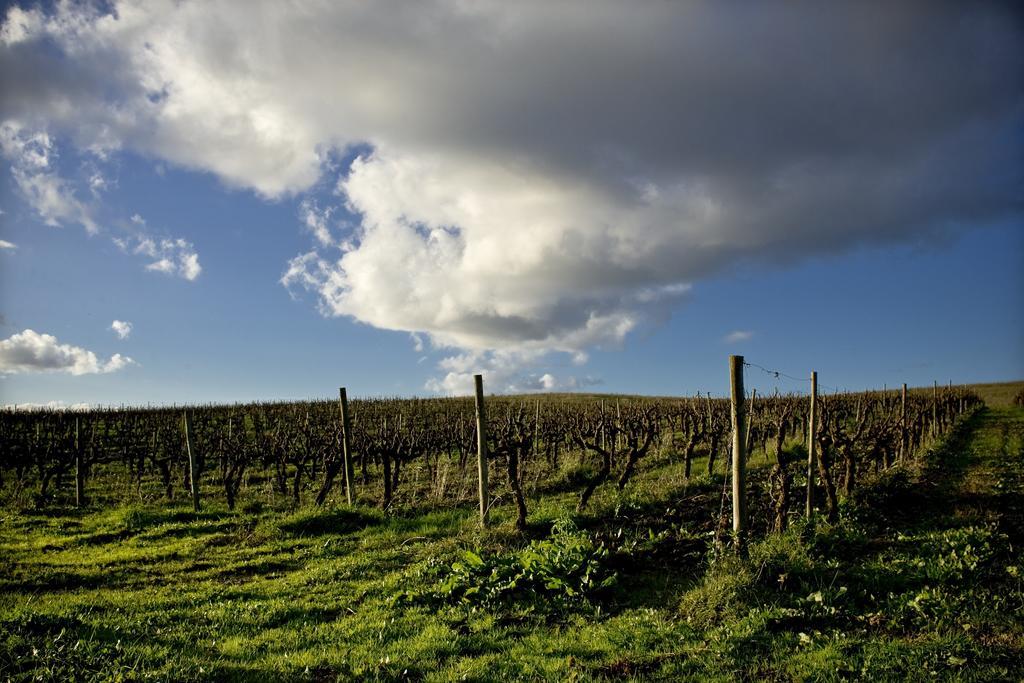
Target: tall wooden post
{"x": 707, "y": 403}
{"x": 748, "y": 447}
{"x": 935, "y": 408}
{"x": 812, "y": 438}
{"x": 536, "y": 429}
{"x": 903, "y": 423}
{"x": 193, "y": 470}
{"x": 739, "y": 439}
{"x": 79, "y": 470}
{"x": 346, "y": 456}
{"x": 615, "y": 432}
{"x": 481, "y": 448}
{"x": 711, "y": 456}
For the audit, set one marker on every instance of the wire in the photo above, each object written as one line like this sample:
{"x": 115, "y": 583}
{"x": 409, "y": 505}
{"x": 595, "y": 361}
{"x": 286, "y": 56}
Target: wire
{"x": 778, "y": 373}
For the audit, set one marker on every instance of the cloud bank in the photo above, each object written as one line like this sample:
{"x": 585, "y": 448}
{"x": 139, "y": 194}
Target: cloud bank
{"x": 49, "y": 405}
{"x": 30, "y": 351}
{"x": 543, "y": 177}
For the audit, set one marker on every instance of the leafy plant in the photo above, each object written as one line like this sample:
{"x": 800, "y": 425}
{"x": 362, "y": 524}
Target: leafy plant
{"x": 565, "y": 570}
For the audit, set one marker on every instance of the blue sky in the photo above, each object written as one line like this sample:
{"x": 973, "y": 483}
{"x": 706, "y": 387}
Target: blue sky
{"x": 267, "y": 241}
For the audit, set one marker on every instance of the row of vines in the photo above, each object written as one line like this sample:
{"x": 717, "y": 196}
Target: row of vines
{"x": 412, "y": 454}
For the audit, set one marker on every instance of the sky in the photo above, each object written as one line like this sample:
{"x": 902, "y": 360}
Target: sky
{"x": 223, "y": 201}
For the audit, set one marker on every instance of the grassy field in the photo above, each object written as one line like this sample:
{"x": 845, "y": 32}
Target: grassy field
{"x": 998, "y": 395}
{"x": 921, "y": 580}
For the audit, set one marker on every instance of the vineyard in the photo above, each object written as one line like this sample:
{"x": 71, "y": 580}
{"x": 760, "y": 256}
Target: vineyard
{"x": 419, "y": 538}
{"x": 423, "y": 453}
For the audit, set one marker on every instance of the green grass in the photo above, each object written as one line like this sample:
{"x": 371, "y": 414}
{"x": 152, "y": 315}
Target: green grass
{"x": 921, "y": 580}
{"x": 999, "y": 394}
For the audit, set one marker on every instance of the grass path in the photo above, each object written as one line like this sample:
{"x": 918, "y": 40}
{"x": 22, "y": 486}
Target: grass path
{"x": 921, "y": 581}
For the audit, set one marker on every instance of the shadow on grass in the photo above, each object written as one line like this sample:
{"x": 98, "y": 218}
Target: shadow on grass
{"x": 175, "y": 531}
{"x": 263, "y": 567}
{"x": 897, "y": 499}
{"x": 322, "y": 522}
{"x": 60, "y": 580}
{"x": 54, "y": 511}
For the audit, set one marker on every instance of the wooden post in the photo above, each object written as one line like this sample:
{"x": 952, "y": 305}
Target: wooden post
{"x": 903, "y": 423}
{"x": 748, "y": 447}
{"x": 536, "y": 428}
{"x": 812, "y": 463}
{"x": 79, "y": 470}
{"x": 346, "y": 456}
{"x": 739, "y": 489}
{"x": 193, "y": 471}
{"x": 481, "y": 448}
{"x": 618, "y": 425}
{"x": 707, "y": 403}
{"x": 935, "y": 408}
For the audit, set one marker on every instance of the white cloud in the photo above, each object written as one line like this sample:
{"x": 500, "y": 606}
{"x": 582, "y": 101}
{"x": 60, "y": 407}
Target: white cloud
{"x": 122, "y": 328}
{"x": 30, "y": 351}
{"x": 4, "y": 244}
{"x": 316, "y": 221}
{"x": 171, "y": 256}
{"x": 21, "y": 25}
{"x": 521, "y": 275}
{"x": 547, "y": 177}
{"x": 189, "y": 267}
{"x": 504, "y": 372}
{"x": 98, "y": 183}
{"x": 549, "y": 382}
{"x": 30, "y": 154}
{"x": 162, "y": 266}
{"x": 737, "y": 336}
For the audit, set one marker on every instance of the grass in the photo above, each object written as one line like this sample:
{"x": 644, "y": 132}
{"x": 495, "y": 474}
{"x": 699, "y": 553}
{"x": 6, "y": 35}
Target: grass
{"x": 921, "y": 580}
{"x": 998, "y": 394}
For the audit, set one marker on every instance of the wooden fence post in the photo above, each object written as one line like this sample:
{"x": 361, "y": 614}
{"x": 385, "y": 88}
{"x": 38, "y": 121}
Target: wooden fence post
{"x": 481, "y": 448}
{"x": 935, "y": 408}
{"x": 615, "y": 432}
{"x": 711, "y": 456}
{"x": 903, "y": 423}
{"x": 346, "y": 456}
{"x": 193, "y": 472}
{"x": 79, "y": 470}
{"x": 739, "y": 489}
{"x": 812, "y": 437}
{"x": 536, "y": 429}
{"x": 748, "y": 447}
